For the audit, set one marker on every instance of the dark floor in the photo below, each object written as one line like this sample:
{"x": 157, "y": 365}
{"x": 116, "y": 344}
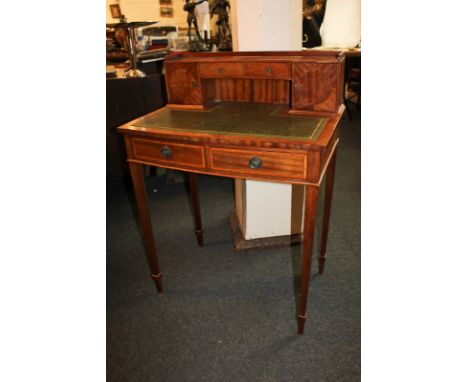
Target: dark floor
{"x": 227, "y": 315}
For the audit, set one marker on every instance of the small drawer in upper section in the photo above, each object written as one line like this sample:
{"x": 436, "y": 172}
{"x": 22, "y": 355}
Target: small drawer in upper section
{"x": 168, "y": 153}
{"x": 279, "y": 70}
{"x": 222, "y": 69}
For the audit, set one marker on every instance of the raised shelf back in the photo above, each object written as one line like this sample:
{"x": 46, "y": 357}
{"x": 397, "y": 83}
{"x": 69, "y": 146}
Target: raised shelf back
{"x": 310, "y": 82}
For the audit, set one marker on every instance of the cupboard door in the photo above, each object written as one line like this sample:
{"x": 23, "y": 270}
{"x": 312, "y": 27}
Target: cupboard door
{"x": 326, "y": 88}
{"x": 303, "y": 83}
{"x": 315, "y": 87}
{"x": 183, "y": 84}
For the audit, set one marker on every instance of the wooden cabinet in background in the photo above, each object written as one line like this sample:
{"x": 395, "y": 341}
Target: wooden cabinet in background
{"x": 127, "y": 99}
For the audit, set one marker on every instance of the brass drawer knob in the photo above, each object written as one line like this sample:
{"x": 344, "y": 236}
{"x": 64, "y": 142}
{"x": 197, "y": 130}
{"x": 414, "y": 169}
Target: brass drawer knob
{"x": 221, "y": 70}
{"x": 268, "y": 70}
{"x": 297, "y": 87}
{"x": 255, "y": 163}
{"x": 165, "y": 152}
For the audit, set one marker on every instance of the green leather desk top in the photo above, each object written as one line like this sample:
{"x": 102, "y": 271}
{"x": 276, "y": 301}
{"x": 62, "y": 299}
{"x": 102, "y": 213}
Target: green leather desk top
{"x": 259, "y": 120}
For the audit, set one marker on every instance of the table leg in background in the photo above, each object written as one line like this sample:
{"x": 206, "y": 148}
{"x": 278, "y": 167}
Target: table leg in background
{"x": 137, "y": 173}
{"x": 193, "y": 181}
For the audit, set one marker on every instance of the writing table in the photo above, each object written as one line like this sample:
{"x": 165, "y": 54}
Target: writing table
{"x": 244, "y": 139}
{"x": 253, "y": 142}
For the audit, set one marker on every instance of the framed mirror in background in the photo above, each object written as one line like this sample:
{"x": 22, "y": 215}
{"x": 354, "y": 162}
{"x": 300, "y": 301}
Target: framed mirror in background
{"x": 115, "y": 11}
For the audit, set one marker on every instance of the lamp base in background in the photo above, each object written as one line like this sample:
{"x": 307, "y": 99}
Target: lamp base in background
{"x": 132, "y": 73}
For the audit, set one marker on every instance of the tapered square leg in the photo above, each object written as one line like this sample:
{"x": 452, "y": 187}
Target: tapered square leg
{"x": 330, "y": 177}
{"x": 311, "y": 199}
{"x": 193, "y": 182}
{"x": 158, "y": 281}
{"x": 136, "y": 171}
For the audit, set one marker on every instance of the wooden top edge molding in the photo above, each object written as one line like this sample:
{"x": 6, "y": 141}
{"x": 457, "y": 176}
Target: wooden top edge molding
{"x": 319, "y": 55}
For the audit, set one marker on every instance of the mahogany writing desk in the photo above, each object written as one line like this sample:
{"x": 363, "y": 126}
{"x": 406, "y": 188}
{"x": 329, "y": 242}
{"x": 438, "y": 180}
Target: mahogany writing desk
{"x": 244, "y": 137}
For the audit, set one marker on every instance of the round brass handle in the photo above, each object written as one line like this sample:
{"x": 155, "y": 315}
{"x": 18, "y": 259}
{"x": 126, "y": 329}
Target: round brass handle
{"x": 255, "y": 163}
{"x": 268, "y": 70}
{"x": 220, "y": 70}
{"x": 165, "y": 152}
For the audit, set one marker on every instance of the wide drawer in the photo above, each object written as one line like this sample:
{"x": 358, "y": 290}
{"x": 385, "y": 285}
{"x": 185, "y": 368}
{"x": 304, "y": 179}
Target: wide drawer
{"x": 268, "y": 70}
{"x": 168, "y": 153}
{"x": 222, "y": 69}
{"x": 265, "y": 163}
